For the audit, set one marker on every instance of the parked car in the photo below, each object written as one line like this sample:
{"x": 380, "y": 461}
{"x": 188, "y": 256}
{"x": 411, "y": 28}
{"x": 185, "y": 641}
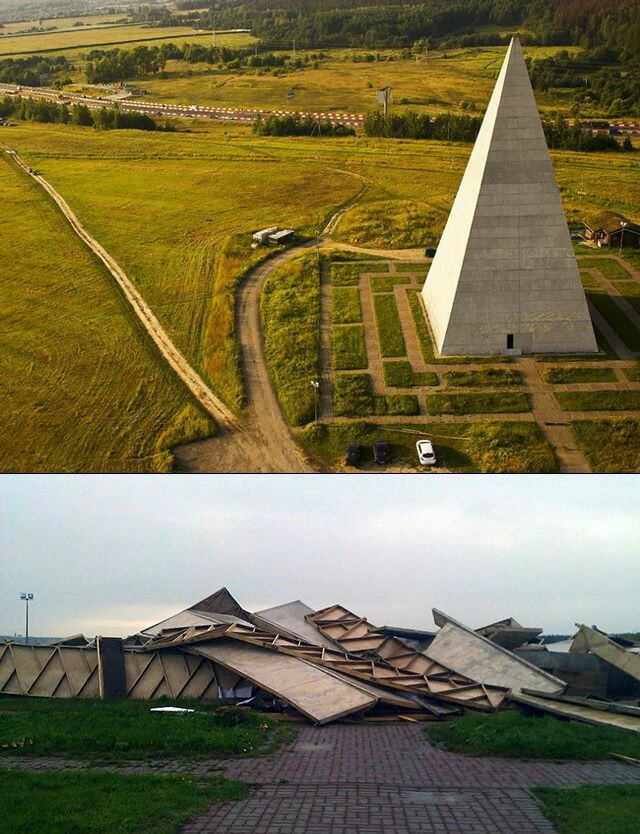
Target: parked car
{"x": 430, "y": 252}
{"x": 381, "y": 451}
{"x": 426, "y": 455}
{"x": 353, "y": 454}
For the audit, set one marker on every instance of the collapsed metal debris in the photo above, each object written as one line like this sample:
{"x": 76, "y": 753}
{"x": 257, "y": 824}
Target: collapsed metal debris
{"x": 328, "y": 665}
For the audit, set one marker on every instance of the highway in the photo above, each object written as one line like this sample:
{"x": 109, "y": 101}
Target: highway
{"x": 189, "y": 111}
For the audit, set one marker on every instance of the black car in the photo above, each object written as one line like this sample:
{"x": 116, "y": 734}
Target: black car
{"x": 430, "y": 252}
{"x": 353, "y": 454}
{"x": 381, "y": 451}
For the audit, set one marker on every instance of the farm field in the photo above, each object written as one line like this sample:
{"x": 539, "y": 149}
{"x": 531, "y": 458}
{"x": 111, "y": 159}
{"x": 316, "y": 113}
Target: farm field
{"x": 109, "y": 37}
{"x": 82, "y": 388}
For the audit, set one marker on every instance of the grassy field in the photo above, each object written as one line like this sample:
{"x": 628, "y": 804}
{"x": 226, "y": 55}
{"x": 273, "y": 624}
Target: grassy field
{"x": 489, "y": 377}
{"x": 566, "y": 376}
{"x": 388, "y": 325}
{"x": 633, "y": 374}
{"x": 623, "y": 326}
{"x": 348, "y": 348}
{"x": 513, "y": 734}
{"x": 401, "y": 375}
{"x": 386, "y": 283}
{"x": 107, "y": 803}
{"x": 492, "y": 447}
{"x": 488, "y": 403}
{"x": 123, "y": 730}
{"x": 345, "y": 305}
{"x": 290, "y": 315}
{"x": 593, "y": 809}
{"x": 109, "y": 38}
{"x": 84, "y": 389}
{"x": 353, "y": 397}
{"x": 599, "y": 400}
{"x": 610, "y": 445}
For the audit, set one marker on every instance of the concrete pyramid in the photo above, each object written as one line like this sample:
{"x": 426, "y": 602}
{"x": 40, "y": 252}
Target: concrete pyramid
{"x": 505, "y": 277}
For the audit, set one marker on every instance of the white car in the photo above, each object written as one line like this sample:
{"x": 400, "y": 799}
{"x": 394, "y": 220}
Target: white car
{"x": 426, "y": 455}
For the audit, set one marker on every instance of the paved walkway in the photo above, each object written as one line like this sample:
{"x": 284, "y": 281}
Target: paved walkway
{"x": 371, "y": 779}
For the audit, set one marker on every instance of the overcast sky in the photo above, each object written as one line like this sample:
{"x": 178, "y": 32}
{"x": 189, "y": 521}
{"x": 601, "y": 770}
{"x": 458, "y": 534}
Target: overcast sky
{"x": 110, "y": 555}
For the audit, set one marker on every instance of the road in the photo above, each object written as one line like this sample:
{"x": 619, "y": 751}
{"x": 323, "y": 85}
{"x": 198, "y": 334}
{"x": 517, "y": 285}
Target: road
{"x": 188, "y": 111}
{"x": 264, "y": 443}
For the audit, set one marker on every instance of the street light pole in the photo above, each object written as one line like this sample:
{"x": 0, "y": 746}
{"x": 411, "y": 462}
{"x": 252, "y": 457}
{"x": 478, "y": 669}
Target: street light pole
{"x": 316, "y": 384}
{"x": 27, "y": 598}
{"x": 623, "y": 223}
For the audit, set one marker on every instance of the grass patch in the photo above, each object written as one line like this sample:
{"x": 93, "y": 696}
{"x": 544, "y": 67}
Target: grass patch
{"x": 388, "y": 325}
{"x": 290, "y": 314}
{"x": 345, "y": 305}
{"x": 599, "y": 400}
{"x": 566, "y": 376}
{"x": 122, "y": 730}
{"x": 488, "y": 403}
{"x": 493, "y": 377}
{"x": 610, "y": 268}
{"x": 421, "y": 267}
{"x": 493, "y": 447}
{"x": 518, "y": 735}
{"x": 386, "y": 283}
{"x": 589, "y": 281}
{"x": 353, "y": 397}
{"x": 593, "y": 809}
{"x": 624, "y": 327}
{"x": 348, "y": 348}
{"x": 348, "y": 274}
{"x": 610, "y": 445}
{"x": 107, "y": 803}
{"x": 633, "y": 374}
{"x": 391, "y": 223}
{"x": 401, "y": 375}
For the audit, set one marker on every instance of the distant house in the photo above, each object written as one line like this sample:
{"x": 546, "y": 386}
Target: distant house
{"x": 607, "y": 229}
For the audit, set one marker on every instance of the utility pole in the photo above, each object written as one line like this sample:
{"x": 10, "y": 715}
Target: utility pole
{"x": 213, "y": 39}
{"x": 623, "y": 223}
{"x": 27, "y": 599}
{"x": 294, "y": 49}
{"x": 316, "y": 385}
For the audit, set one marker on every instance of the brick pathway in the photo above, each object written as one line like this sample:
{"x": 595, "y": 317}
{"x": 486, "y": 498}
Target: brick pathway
{"x": 368, "y": 779}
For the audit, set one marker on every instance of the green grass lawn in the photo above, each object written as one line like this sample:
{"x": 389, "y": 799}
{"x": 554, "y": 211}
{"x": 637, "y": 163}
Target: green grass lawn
{"x": 514, "y": 734}
{"x": 347, "y": 274}
{"x": 84, "y": 389}
{"x": 611, "y": 269}
{"x": 90, "y": 802}
{"x": 566, "y": 376}
{"x": 492, "y": 447}
{"x": 348, "y": 348}
{"x": 599, "y": 400}
{"x": 353, "y": 397}
{"x": 345, "y": 305}
{"x": 386, "y": 283}
{"x": 633, "y": 374}
{"x": 507, "y": 402}
{"x": 623, "y": 326}
{"x": 290, "y": 315}
{"x": 593, "y": 809}
{"x": 489, "y": 377}
{"x": 610, "y": 445}
{"x": 420, "y": 268}
{"x": 400, "y": 375}
{"x": 390, "y": 337}
{"x": 122, "y": 730}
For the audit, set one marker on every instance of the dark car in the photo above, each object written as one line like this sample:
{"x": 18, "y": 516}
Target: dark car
{"x": 353, "y": 454}
{"x": 381, "y": 451}
{"x": 430, "y": 252}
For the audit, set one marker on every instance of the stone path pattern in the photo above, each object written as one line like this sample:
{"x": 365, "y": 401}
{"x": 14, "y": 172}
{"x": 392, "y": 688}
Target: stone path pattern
{"x": 376, "y": 780}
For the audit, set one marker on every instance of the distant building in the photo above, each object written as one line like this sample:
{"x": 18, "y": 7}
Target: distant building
{"x": 607, "y": 229}
{"x": 274, "y": 234}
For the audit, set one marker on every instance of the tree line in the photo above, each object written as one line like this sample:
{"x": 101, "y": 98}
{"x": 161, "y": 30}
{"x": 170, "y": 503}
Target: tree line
{"x": 106, "y": 118}
{"x": 298, "y": 126}
{"x": 35, "y": 70}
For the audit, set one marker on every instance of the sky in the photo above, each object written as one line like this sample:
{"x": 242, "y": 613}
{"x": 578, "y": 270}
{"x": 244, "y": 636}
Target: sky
{"x": 112, "y": 554}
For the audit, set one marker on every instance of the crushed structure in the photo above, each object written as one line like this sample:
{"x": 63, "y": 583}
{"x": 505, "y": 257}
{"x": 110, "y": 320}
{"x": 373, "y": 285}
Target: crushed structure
{"x": 328, "y": 665}
{"x": 505, "y": 279}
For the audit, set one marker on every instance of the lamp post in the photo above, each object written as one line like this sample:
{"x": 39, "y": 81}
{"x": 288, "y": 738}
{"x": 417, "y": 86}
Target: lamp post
{"x": 27, "y": 599}
{"x": 623, "y": 223}
{"x": 316, "y": 385}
